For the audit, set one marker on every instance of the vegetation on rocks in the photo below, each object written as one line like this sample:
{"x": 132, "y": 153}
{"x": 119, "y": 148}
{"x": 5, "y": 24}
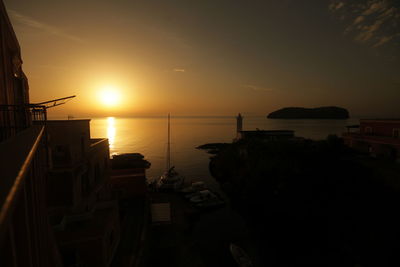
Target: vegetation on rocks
{"x": 310, "y": 202}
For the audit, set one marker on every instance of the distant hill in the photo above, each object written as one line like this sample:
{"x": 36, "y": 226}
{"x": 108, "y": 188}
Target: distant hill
{"x": 310, "y": 113}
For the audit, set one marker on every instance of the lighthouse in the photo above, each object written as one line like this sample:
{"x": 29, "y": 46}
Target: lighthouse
{"x": 239, "y": 123}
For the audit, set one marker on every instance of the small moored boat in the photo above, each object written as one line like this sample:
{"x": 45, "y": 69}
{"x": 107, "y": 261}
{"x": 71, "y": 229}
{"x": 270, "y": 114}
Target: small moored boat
{"x": 194, "y": 187}
{"x": 170, "y": 180}
{"x": 202, "y": 196}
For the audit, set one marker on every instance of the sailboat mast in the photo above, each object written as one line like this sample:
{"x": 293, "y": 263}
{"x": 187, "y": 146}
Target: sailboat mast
{"x": 169, "y": 145}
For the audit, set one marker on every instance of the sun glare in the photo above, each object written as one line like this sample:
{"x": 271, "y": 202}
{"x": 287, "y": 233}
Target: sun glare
{"x": 109, "y": 96}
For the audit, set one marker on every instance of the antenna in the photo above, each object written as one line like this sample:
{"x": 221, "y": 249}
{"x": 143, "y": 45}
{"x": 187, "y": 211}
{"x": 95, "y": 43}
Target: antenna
{"x": 54, "y": 102}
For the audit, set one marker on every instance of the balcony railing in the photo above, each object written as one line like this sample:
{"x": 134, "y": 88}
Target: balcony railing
{"x": 25, "y": 239}
{"x": 16, "y": 118}
{"x": 16, "y": 166}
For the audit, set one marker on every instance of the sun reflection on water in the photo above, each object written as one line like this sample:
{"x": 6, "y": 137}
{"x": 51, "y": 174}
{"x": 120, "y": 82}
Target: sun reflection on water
{"x": 111, "y": 131}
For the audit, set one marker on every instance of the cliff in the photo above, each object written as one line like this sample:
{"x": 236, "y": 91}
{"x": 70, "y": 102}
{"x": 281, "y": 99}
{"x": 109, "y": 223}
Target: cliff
{"x": 310, "y": 113}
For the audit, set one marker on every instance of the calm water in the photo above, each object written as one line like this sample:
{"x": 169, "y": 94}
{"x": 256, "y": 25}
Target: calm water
{"x": 148, "y": 136}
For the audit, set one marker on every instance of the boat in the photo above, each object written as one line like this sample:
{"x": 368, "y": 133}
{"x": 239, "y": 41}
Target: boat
{"x": 194, "y": 194}
{"x": 206, "y": 199}
{"x": 241, "y": 258}
{"x": 170, "y": 180}
{"x": 194, "y": 187}
{"x": 203, "y": 195}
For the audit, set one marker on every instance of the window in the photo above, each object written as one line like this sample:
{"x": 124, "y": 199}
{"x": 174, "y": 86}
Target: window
{"x": 368, "y": 130}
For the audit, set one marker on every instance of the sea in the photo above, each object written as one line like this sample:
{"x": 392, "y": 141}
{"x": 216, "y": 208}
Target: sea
{"x": 149, "y": 135}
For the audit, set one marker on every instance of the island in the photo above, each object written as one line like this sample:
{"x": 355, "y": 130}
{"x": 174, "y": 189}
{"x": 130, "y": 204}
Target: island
{"x": 310, "y": 113}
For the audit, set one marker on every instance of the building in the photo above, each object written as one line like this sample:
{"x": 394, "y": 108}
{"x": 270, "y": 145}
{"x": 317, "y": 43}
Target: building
{"x": 26, "y": 238}
{"x": 377, "y": 137}
{"x": 14, "y": 95}
{"x": 128, "y": 175}
{"x": 266, "y": 135}
{"x": 82, "y": 207}
{"x": 57, "y": 205}
{"x": 128, "y": 181}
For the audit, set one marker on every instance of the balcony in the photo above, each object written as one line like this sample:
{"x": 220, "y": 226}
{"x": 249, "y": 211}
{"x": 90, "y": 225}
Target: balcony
{"x": 16, "y": 118}
{"x": 16, "y": 157}
{"x": 25, "y": 236}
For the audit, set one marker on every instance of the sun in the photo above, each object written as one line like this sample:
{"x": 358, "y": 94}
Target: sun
{"x": 109, "y": 96}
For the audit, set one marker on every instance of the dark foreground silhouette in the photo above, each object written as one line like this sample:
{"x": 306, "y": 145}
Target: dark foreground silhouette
{"x": 312, "y": 202}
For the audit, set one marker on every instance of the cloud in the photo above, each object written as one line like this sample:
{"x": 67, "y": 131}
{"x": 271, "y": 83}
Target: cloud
{"x": 35, "y": 24}
{"x": 336, "y": 5}
{"x": 375, "y": 7}
{"x": 374, "y": 23}
{"x": 367, "y": 32}
{"x": 256, "y": 88}
{"x": 178, "y": 70}
{"x": 383, "y": 40}
{"x": 358, "y": 20}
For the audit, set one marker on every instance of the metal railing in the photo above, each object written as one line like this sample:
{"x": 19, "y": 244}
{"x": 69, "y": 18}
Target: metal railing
{"x": 25, "y": 239}
{"x": 19, "y": 165}
{"x": 16, "y": 118}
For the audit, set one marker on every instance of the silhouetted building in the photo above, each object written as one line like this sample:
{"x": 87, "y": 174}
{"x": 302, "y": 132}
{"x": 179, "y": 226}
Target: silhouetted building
{"x": 14, "y": 96}
{"x": 378, "y": 138}
{"x": 128, "y": 175}
{"x": 128, "y": 181}
{"x": 266, "y": 135}
{"x": 57, "y": 207}
{"x": 26, "y": 238}
{"x": 82, "y": 208}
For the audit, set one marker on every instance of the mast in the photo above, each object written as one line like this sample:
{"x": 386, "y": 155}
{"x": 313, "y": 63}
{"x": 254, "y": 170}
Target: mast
{"x": 169, "y": 145}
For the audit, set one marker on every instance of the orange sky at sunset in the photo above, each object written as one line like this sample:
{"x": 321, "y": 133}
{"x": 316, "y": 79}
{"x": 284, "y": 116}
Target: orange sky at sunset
{"x": 206, "y": 58}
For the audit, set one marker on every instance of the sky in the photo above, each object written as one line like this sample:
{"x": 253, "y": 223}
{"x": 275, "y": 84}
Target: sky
{"x": 188, "y": 57}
